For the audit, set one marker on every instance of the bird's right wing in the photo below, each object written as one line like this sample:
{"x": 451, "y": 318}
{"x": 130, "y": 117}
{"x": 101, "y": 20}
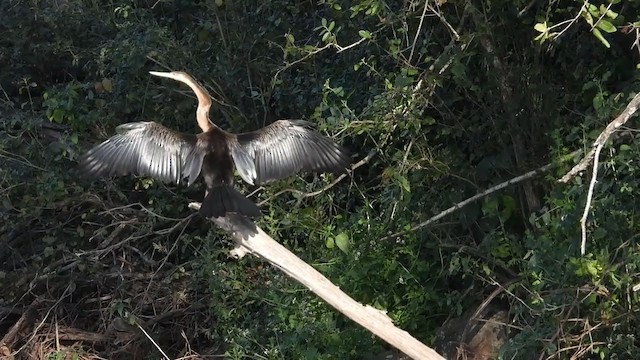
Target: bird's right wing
{"x": 284, "y": 148}
{"x": 146, "y": 148}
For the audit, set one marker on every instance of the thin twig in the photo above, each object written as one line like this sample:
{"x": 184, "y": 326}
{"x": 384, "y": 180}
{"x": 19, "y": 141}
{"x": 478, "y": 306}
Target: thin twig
{"x": 415, "y": 39}
{"x": 526, "y": 8}
{"x": 153, "y": 342}
{"x": 572, "y": 21}
{"x": 20, "y": 159}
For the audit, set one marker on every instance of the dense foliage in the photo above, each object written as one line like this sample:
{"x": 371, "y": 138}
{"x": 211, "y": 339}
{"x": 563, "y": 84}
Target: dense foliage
{"x": 444, "y": 99}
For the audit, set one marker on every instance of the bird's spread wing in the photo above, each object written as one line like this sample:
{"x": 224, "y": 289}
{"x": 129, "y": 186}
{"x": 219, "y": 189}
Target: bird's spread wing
{"x": 284, "y": 148}
{"x": 146, "y": 148}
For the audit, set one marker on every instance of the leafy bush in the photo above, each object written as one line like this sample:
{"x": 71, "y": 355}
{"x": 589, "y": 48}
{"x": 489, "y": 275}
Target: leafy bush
{"x": 444, "y": 102}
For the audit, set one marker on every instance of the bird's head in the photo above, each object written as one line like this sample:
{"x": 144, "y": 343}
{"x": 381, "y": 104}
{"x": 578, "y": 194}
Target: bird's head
{"x": 175, "y": 75}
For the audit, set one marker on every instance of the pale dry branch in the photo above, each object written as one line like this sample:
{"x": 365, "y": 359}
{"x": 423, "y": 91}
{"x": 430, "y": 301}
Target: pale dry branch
{"x": 594, "y": 155}
{"x": 587, "y": 205}
{"x": 631, "y": 108}
{"x": 415, "y": 39}
{"x": 153, "y": 342}
{"x": 318, "y": 50}
{"x": 570, "y": 22}
{"x": 479, "y": 196}
{"x": 250, "y": 238}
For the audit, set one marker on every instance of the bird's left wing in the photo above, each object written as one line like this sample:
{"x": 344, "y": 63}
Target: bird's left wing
{"x": 146, "y": 148}
{"x": 284, "y": 148}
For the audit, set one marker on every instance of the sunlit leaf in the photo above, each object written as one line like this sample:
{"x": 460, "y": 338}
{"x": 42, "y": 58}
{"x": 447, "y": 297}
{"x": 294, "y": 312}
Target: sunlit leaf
{"x": 107, "y": 85}
{"x": 541, "y": 27}
{"x": 364, "y": 34}
{"x": 330, "y": 244}
{"x": 342, "y": 240}
{"x": 404, "y": 183}
{"x": 598, "y": 35}
{"x": 606, "y": 26}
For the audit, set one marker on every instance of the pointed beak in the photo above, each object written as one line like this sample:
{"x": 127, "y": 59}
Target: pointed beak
{"x": 162, "y": 74}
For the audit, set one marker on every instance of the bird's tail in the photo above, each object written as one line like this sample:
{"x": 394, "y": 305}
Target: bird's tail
{"x": 226, "y": 199}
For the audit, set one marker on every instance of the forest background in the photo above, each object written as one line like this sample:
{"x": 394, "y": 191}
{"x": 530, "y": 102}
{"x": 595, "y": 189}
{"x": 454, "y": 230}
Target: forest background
{"x": 438, "y": 101}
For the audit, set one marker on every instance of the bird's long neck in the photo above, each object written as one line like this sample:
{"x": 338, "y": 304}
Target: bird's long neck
{"x": 204, "y": 104}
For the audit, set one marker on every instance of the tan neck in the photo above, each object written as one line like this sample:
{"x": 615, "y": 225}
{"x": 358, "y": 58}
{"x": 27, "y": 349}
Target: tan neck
{"x": 204, "y": 104}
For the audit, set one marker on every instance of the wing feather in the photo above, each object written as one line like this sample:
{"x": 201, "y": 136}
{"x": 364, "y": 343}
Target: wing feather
{"x": 146, "y": 148}
{"x": 284, "y": 148}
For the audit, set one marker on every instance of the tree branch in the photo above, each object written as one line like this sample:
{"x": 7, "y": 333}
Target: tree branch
{"x": 594, "y": 155}
{"x": 251, "y": 239}
{"x": 466, "y": 202}
{"x": 587, "y": 205}
{"x": 631, "y": 108}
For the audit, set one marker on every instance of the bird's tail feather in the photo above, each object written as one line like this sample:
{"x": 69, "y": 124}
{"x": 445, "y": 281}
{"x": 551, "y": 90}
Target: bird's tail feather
{"x": 226, "y": 199}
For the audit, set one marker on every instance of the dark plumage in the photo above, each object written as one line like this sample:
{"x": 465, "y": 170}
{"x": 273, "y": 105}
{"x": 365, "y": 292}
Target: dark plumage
{"x": 278, "y": 150}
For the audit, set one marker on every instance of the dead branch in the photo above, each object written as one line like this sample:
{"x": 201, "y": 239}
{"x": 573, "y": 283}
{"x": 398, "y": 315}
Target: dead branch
{"x": 594, "y": 155}
{"x": 587, "y": 205}
{"x": 250, "y": 238}
{"x": 631, "y": 108}
{"x": 491, "y": 190}
{"x": 26, "y": 321}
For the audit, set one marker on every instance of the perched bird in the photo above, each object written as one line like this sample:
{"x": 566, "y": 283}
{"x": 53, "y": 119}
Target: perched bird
{"x": 278, "y": 150}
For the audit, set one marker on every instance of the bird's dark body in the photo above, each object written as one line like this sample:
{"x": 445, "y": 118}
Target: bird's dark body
{"x": 217, "y": 165}
{"x": 217, "y": 170}
{"x": 278, "y": 150}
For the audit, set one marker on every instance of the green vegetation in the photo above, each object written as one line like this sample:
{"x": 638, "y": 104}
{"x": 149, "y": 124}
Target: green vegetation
{"x": 456, "y": 98}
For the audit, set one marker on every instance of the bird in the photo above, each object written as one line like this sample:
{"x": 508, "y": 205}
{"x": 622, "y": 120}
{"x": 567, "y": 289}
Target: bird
{"x": 278, "y": 150}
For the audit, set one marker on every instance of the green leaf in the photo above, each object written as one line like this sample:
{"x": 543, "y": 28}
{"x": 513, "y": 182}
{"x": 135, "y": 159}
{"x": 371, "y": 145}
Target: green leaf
{"x": 342, "y": 240}
{"x": 598, "y": 35}
{"x": 598, "y": 101}
{"x": 612, "y": 14}
{"x": 599, "y": 233}
{"x": 541, "y": 27}
{"x": 508, "y": 206}
{"x": 74, "y": 138}
{"x": 326, "y": 36}
{"x": 332, "y": 25}
{"x": 606, "y": 26}
{"x": 404, "y": 183}
{"x": 57, "y": 116}
{"x": 330, "y": 243}
{"x": 588, "y": 18}
{"x": 324, "y": 22}
{"x": 364, "y": 34}
{"x": 290, "y": 38}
